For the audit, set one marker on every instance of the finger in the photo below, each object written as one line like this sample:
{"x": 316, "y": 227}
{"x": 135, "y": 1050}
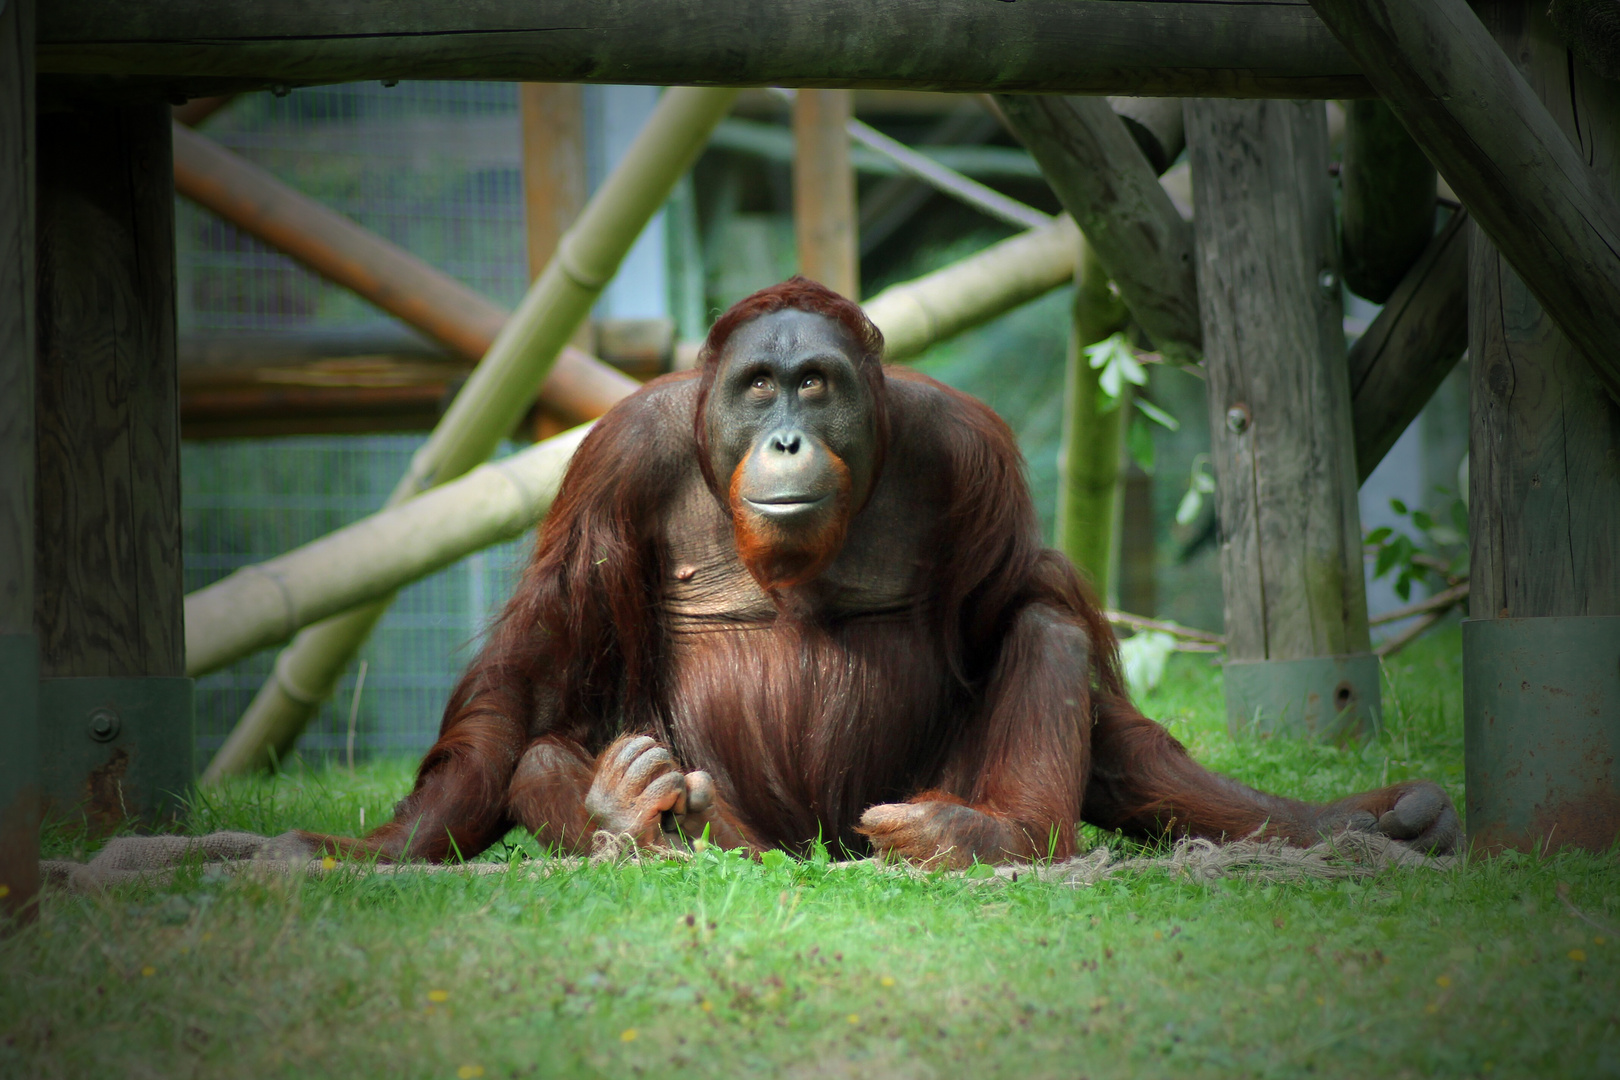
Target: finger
{"x": 662, "y": 793}
{"x": 886, "y": 818}
{"x": 618, "y": 756}
{"x": 1413, "y": 813}
{"x": 699, "y": 792}
{"x": 653, "y": 761}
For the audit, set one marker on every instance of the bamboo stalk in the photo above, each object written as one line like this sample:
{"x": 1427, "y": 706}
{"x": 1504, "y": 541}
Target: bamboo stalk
{"x": 493, "y": 399}
{"x": 260, "y": 605}
{"x": 936, "y": 306}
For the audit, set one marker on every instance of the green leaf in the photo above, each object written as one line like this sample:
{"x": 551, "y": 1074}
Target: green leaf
{"x": 1191, "y": 503}
{"x": 1422, "y": 520}
{"x": 1403, "y": 587}
{"x": 1380, "y": 534}
{"x": 979, "y": 871}
{"x": 1158, "y": 415}
{"x": 1459, "y": 517}
{"x": 1397, "y": 506}
{"x": 773, "y": 859}
{"x": 1387, "y": 557}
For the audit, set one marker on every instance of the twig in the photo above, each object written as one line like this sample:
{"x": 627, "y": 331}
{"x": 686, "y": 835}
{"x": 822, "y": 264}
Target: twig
{"x": 1440, "y": 602}
{"x": 354, "y": 712}
{"x": 1562, "y": 889}
{"x": 1409, "y": 635}
{"x": 1138, "y": 622}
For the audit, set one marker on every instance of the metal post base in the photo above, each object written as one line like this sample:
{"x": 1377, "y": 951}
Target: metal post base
{"x": 1332, "y": 698}
{"x": 116, "y": 748}
{"x": 19, "y": 777}
{"x": 1541, "y": 732}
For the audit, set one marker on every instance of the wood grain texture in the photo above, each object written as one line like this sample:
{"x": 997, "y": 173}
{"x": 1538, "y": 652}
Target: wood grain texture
{"x": 824, "y": 221}
{"x": 1274, "y": 351}
{"x": 1398, "y": 364}
{"x": 1526, "y": 181}
{"x": 1106, "y": 184}
{"x": 107, "y": 529}
{"x": 555, "y": 179}
{"x": 1388, "y": 200}
{"x": 16, "y": 319}
{"x": 1544, "y": 449}
{"x": 193, "y": 47}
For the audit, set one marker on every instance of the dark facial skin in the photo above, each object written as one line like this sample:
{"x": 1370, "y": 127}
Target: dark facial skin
{"x": 792, "y": 441}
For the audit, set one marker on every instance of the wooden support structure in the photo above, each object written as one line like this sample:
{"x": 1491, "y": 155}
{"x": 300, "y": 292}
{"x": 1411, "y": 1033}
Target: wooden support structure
{"x": 1299, "y": 655}
{"x": 19, "y": 648}
{"x": 824, "y": 218}
{"x": 1549, "y": 211}
{"x": 1541, "y": 649}
{"x": 1169, "y": 49}
{"x": 579, "y": 386}
{"x": 1388, "y": 200}
{"x": 115, "y": 731}
{"x": 1398, "y": 364}
{"x": 1105, "y": 182}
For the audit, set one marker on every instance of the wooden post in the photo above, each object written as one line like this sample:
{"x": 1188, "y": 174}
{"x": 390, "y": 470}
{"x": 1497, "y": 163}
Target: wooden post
{"x": 1388, "y": 200}
{"x": 115, "y": 729}
{"x": 824, "y": 191}
{"x": 19, "y": 649}
{"x": 1299, "y": 656}
{"x": 1469, "y": 106}
{"x": 1396, "y": 366}
{"x": 1541, "y": 651}
{"x": 556, "y": 183}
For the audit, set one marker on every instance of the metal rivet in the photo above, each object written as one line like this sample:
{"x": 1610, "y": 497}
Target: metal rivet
{"x": 105, "y": 725}
{"x": 1328, "y": 280}
{"x": 1237, "y": 419}
{"x": 280, "y": 89}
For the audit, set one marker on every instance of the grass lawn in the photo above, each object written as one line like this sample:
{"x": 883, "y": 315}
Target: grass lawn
{"x": 722, "y": 967}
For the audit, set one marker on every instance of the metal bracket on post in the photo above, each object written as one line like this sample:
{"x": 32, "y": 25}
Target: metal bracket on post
{"x": 1330, "y": 698}
{"x": 116, "y": 748}
{"x": 1541, "y": 732}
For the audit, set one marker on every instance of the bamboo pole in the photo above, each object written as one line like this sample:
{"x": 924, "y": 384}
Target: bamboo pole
{"x": 260, "y": 605}
{"x": 268, "y": 602}
{"x": 335, "y": 247}
{"x": 936, "y": 306}
{"x": 1093, "y": 435}
{"x": 824, "y": 191}
{"x": 493, "y": 399}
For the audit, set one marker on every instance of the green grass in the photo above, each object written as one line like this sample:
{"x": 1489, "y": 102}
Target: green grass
{"x": 723, "y": 967}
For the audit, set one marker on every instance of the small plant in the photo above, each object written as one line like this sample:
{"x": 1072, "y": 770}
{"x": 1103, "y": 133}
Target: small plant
{"x": 1120, "y": 365}
{"x": 1434, "y": 553}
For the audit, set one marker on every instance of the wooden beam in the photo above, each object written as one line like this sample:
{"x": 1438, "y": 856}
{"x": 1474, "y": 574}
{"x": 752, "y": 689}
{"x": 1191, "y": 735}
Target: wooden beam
{"x": 824, "y": 191}
{"x": 1387, "y": 187}
{"x": 19, "y": 649}
{"x": 1522, "y": 178}
{"x": 115, "y": 708}
{"x": 579, "y": 386}
{"x": 1398, "y": 364}
{"x": 1541, "y": 697}
{"x": 190, "y": 47}
{"x": 1104, "y": 180}
{"x": 1299, "y": 656}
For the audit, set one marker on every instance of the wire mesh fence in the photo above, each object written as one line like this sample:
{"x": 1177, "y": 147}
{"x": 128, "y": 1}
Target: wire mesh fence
{"x": 249, "y": 499}
{"x": 436, "y": 168}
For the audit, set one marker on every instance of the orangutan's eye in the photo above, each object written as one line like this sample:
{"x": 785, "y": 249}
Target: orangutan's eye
{"x": 813, "y": 382}
{"x": 762, "y": 383}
